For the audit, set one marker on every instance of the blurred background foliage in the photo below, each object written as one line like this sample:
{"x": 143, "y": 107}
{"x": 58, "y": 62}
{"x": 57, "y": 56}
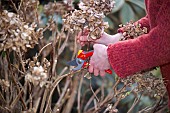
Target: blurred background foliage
{"x": 124, "y": 11}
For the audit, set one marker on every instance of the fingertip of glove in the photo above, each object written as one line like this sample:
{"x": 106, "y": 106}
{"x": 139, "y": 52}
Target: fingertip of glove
{"x": 102, "y": 73}
{"x": 91, "y": 69}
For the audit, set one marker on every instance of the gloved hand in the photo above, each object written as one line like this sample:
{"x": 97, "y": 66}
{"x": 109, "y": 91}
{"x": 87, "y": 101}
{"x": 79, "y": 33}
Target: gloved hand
{"x": 99, "y": 60}
{"x": 105, "y": 39}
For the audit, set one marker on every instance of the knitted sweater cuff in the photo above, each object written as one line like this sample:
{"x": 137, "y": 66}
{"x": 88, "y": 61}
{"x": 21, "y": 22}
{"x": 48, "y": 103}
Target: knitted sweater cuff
{"x": 123, "y": 59}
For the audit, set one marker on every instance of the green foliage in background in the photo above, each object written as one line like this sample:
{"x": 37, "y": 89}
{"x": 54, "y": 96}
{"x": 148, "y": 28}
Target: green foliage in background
{"x": 125, "y": 11}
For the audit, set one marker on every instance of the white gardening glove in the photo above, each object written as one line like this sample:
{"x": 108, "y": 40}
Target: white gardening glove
{"x": 105, "y": 39}
{"x": 99, "y": 60}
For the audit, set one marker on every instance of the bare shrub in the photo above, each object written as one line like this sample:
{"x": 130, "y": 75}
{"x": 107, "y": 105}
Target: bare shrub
{"x": 33, "y": 77}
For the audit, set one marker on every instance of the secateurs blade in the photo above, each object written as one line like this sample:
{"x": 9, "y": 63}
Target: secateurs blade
{"x": 81, "y": 61}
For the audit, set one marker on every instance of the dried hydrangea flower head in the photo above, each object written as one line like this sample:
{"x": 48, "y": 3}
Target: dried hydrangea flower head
{"x": 103, "y": 6}
{"x": 146, "y": 82}
{"x": 28, "y": 10}
{"x": 37, "y": 73}
{"x": 132, "y": 30}
{"x": 61, "y": 8}
{"x": 87, "y": 17}
{"x": 4, "y": 84}
{"x": 15, "y": 34}
{"x": 91, "y": 20}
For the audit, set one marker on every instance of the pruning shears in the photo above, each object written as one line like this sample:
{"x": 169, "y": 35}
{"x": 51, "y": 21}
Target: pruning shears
{"x": 81, "y": 61}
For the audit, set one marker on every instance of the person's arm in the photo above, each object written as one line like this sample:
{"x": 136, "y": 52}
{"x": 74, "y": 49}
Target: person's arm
{"x": 146, "y": 51}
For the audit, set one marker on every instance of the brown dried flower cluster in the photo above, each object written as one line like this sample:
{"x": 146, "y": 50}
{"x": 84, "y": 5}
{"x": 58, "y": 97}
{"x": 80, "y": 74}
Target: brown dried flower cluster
{"x": 37, "y": 73}
{"x": 90, "y": 16}
{"x": 132, "y": 30}
{"x": 146, "y": 82}
{"x": 89, "y": 19}
{"x": 28, "y": 10}
{"x": 4, "y": 84}
{"x": 58, "y": 8}
{"x": 15, "y": 34}
{"x": 102, "y": 6}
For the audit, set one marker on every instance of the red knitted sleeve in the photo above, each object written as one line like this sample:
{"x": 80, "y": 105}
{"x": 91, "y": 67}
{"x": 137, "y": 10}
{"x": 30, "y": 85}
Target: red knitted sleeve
{"x": 147, "y": 51}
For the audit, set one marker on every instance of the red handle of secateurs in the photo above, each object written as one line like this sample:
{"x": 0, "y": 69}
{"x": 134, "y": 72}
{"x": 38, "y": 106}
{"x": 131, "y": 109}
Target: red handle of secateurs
{"x": 84, "y": 55}
{"x": 109, "y": 71}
